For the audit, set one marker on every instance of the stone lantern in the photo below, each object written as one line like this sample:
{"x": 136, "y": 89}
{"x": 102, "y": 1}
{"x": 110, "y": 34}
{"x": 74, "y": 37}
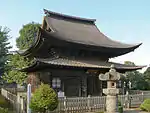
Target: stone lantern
{"x": 111, "y": 91}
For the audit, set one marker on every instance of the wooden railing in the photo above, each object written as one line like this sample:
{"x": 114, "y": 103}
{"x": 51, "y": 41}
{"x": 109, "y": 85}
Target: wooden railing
{"x": 83, "y": 104}
{"x": 19, "y": 104}
{"x": 133, "y": 92}
{"x": 96, "y": 104}
{"x": 15, "y": 90}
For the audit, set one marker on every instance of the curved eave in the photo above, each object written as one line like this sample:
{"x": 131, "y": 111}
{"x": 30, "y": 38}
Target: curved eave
{"x": 48, "y": 36}
{"x": 39, "y": 65}
{"x": 32, "y": 49}
{"x": 131, "y": 68}
{"x": 120, "y": 50}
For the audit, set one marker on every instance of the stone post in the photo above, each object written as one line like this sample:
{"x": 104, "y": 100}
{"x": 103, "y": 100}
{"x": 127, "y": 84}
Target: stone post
{"x": 28, "y": 98}
{"x": 127, "y": 101}
{"x": 111, "y": 91}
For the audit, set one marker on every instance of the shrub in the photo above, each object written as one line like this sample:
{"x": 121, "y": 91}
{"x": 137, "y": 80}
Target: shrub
{"x": 145, "y": 105}
{"x": 4, "y": 110}
{"x": 120, "y": 107}
{"x": 4, "y": 103}
{"x": 119, "y": 103}
{"x": 43, "y": 99}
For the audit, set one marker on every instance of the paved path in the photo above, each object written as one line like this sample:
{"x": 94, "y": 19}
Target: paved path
{"x": 134, "y": 111}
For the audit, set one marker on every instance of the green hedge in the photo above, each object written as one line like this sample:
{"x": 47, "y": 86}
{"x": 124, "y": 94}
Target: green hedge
{"x": 145, "y": 106}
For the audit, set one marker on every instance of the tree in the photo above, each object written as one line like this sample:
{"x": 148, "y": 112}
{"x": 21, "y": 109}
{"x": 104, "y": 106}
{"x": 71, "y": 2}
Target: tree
{"x": 44, "y": 98}
{"x": 4, "y": 48}
{"x": 27, "y": 35}
{"x": 24, "y": 41}
{"x": 136, "y": 78}
{"x": 147, "y": 76}
{"x": 15, "y": 63}
{"x": 129, "y": 63}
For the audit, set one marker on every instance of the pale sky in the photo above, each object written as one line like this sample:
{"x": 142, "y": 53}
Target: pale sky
{"x": 126, "y": 21}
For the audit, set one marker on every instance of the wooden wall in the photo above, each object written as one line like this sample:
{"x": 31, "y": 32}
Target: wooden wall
{"x": 73, "y": 82}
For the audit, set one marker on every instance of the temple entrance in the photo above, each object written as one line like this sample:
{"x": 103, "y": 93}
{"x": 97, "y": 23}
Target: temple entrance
{"x": 94, "y": 86}
{"x": 72, "y": 87}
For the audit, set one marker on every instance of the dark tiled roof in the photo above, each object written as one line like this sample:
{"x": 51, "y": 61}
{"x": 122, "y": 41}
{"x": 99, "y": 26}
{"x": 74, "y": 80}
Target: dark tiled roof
{"x": 78, "y": 64}
{"x": 75, "y": 32}
{"x": 86, "y": 64}
{"x": 51, "y": 13}
{"x": 82, "y": 33}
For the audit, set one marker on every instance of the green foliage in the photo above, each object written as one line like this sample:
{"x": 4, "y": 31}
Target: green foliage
{"x": 147, "y": 77}
{"x": 27, "y": 35}
{"x": 120, "y": 107}
{"x": 5, "y": 105}
{"x": 44, "y": 98}
{"x": 119, "y": 103}
{"x": 147, "y": 73}
{"x": 13, "y": 75}
{"x": 136, "y": 78}
{"x": 145, "y": 105}
{"x": 4, "y": 47}
{"x": 24, "y": 41}
{"x": 129, "y": 63}
{"x": 3, "y": 102}
{"x": 4, "y": 110}
{"x": 138, "y": 81}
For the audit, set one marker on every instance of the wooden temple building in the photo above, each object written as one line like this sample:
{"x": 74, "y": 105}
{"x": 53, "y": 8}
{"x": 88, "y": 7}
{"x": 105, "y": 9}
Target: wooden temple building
{"x": 70, "y": 52}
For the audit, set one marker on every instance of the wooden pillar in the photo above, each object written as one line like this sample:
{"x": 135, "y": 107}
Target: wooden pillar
{"x": 101, "y": 88}
{"x": 80, "y": 89}
{"x": 33, "y": 80}
{"x": 89, "y": 85}
{"x": 84, "y": 86}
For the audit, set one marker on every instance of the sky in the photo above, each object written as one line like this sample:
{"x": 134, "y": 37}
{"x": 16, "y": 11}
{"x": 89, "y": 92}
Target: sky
{"x": 127, "y": 21}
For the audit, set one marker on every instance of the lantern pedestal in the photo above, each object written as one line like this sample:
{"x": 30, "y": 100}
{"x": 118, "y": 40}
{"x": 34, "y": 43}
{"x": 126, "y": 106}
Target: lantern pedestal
{"x": 111, "y": 91}
{"x": 111, "y": 99}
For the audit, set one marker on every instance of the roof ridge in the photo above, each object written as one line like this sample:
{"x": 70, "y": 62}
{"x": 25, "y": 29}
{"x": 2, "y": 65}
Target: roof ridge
{"x": 68, "y": 16}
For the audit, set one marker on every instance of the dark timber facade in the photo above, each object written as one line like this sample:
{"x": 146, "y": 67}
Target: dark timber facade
{"x": 70, "y": 52}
